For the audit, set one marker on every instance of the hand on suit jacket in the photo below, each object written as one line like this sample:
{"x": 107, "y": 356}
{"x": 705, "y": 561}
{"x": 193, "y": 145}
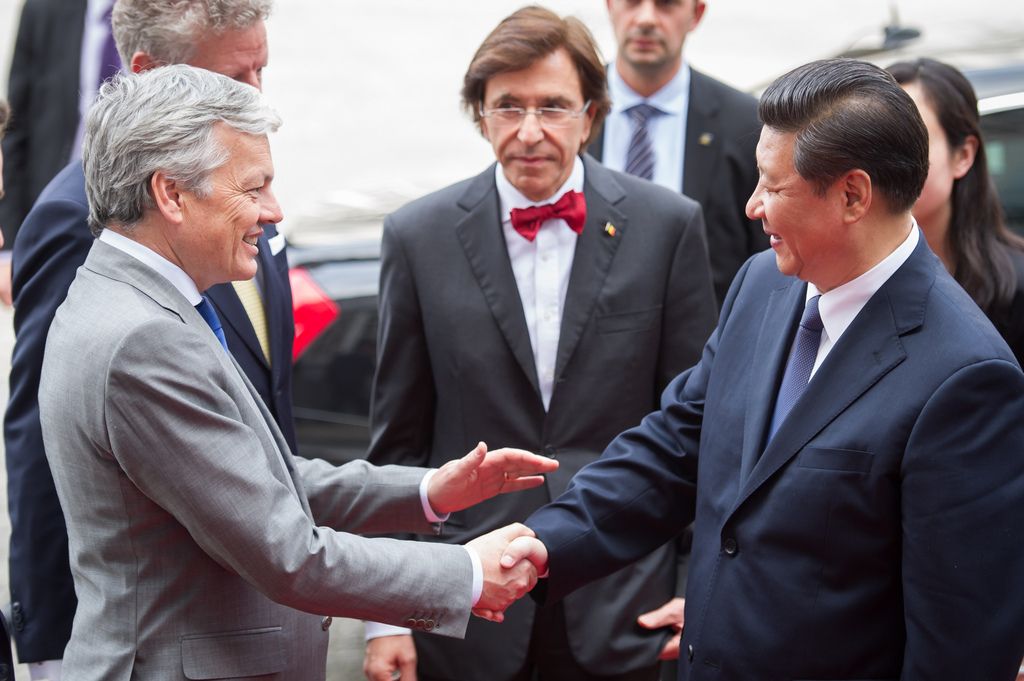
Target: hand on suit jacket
{"x": 668, "y": 615}
{"x": 480, "y": 475}
{"x": 504, "y": 583}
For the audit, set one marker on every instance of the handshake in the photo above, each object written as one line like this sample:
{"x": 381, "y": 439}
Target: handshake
{"x": 512, "y": 559}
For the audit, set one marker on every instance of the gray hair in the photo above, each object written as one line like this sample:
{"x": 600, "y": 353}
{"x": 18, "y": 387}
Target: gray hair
{"x": 161, "y": 120}
{"x": 169, "y": 30}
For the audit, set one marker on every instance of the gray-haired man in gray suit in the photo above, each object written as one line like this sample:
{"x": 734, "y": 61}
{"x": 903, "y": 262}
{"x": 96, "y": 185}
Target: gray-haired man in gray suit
{"x": 200, "y": 547}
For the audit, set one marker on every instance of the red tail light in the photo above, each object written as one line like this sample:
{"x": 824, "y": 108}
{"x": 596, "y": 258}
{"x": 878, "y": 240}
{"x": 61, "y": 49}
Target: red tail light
{"x": 314, "y": 311}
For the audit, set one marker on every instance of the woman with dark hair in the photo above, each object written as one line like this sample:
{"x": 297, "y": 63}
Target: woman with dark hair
{"x": 958, "y": 210}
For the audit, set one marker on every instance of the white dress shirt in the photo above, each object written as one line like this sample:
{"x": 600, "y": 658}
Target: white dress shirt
{"x": 667, "y": 131}
{"x": 541, "y": 268}
{"x": 840, "y": 306}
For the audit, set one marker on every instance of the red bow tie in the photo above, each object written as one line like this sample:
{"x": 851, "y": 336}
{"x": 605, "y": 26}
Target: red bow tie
{"x": 572, "y": 208}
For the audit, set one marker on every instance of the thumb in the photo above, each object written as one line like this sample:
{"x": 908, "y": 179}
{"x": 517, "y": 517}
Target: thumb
{"x": 524, "y": 547}
{"x": 475, "y": 457}
{"x": 670, "y": 614}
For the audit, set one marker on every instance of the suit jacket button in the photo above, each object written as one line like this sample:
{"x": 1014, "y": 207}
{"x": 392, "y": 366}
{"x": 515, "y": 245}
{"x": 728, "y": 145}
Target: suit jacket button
{"x": 550, "y": 451}
{"x": 689, "y": 652}
{"x": 730, "y": 547}
{"x": 325, "y": 623}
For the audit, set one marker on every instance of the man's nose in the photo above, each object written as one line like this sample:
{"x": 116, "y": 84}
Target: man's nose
{"x": 270, "y": 209}
{"x": 530, "y": 129}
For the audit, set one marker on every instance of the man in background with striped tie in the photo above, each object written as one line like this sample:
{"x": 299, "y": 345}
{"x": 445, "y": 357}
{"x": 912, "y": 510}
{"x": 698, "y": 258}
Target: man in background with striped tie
{"x": 680, "y": 128}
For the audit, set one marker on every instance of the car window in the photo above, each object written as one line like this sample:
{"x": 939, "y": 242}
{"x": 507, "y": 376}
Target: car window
{"x": 1004, "y": 144}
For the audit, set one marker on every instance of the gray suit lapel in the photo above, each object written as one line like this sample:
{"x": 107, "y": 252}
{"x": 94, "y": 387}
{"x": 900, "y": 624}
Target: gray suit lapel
{"x": 114, "y": 264}
{"x": 703, "y": 138}
{"x": 595, "y": 250}
{"x": 481, "y": 237}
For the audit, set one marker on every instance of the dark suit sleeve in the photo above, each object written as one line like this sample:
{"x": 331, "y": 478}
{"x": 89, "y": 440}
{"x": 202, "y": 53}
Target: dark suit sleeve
{"x": 962, "y": 557}
{"x": 53, "y": 242}
{"x": 642, "y": 491}
{"x": 402, "y": 406}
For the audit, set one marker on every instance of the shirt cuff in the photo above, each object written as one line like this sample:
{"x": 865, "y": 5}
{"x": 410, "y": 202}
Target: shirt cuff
{"x": 425, "y": 501}
{"x": 47, "y": 670}
{"x": 378, "y": 629}
{"x": 478, "y": 575}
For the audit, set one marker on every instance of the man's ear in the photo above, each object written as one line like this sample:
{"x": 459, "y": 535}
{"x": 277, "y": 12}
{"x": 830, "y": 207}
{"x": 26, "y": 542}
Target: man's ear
{"x": 857, "y": 195}
{"x": 168, "y": 197}
{"x": 141, "y": 61}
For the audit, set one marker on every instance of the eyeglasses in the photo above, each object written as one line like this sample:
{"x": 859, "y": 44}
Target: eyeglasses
{"x": 547, "y": 116}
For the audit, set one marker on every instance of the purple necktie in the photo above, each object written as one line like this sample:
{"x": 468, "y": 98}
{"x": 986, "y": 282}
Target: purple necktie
{"x": 801, "y": 360}
{"x": 640, "y": 154}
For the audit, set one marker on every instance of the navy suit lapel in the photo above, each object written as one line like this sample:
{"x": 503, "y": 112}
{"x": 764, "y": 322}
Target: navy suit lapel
{"x": 277, "y": 304}
{"x": 592, "y": 259}
{"x": 868, "y": 350}
{"x": 777, "y": 329}
{"x": 703, "y": 138}
{"x": 484, "y": 243}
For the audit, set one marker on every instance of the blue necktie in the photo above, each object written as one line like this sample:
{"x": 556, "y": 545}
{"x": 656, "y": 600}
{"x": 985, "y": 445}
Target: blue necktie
{"x": 640, "y": 154}
{"x": 801, "y": 360}
{"x": 205, "y": 309}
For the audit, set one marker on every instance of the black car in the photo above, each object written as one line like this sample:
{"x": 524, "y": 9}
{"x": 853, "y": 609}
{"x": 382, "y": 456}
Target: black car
{"x": 334, "y": 285}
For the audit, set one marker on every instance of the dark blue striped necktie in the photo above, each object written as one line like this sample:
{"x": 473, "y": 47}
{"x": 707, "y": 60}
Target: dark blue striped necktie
{"x": 205, "y": 309}
{"x": 640, "y": 154}
{"x": 802, "y": 356}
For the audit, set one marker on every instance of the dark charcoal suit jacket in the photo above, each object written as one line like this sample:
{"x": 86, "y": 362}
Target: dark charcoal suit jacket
{"x": 455, "y": 366}
{"x": 719, "y": 172}
{"x": 43, "y": 94}
{"x": 876, "y": 536}
{"x": 51, "y": 245}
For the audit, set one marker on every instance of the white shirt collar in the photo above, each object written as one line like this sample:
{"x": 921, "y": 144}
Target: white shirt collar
{"x": 510, "y": 197}
{"x": 670, "y": 99}
{"x": 840, "y": 306}
{"x": 154, "y": 261}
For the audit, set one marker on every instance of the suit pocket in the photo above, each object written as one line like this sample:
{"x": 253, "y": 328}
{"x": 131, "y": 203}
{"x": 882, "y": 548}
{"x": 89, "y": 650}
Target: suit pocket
{"x": 621, "y": 322}
{"x": 233, "y": 654}
{"x": 840, "y": 460}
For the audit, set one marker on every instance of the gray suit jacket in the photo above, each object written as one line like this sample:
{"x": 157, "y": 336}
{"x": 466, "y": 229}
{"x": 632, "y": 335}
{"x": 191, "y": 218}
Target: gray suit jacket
{"x": 200, "y": 547}
{"x": 455, "y": 366}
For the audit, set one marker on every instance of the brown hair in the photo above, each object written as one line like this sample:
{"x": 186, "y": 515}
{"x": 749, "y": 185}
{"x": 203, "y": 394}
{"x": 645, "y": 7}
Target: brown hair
{"x": 527, "y": 35}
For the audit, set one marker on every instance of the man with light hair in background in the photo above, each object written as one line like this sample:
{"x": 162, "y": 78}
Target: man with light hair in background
{"x": 226, "y": 36}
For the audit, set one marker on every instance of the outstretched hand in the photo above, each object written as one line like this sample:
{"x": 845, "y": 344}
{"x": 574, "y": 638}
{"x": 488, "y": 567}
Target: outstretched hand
{"x": 480, "y": 475}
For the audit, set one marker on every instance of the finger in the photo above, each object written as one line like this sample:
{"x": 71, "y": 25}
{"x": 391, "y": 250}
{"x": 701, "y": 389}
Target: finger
{"x": 474, "y": 458}
{"x": 671, "y": 649}
{"x": 492, "y": 615}
{"x": 407, "y": 669}
{"x": 524, "y": 548}
{"x": 522, "y": 462}
{"x": 519, "y": 484}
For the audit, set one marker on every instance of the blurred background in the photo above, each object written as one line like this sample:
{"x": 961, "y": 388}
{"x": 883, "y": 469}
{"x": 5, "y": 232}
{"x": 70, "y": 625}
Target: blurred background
{"x": 369, "y": 94}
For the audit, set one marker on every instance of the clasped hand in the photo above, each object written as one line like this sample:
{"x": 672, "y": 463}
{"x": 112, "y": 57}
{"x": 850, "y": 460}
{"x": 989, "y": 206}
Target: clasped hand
{"x": 512, "y": 558}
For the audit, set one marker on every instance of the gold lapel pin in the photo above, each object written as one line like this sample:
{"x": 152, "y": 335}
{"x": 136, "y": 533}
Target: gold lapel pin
{"x": 705, "y": 139}
{"x": 609, "y": 229}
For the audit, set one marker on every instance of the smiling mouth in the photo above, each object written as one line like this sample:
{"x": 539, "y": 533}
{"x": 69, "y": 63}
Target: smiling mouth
{"x": 251, "y": 239}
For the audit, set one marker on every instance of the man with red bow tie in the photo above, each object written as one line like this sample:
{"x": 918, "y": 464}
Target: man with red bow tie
{"x": 544, "y": 303}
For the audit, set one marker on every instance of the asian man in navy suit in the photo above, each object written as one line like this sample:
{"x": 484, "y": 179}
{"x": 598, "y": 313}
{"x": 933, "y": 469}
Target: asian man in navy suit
{"x": 226, "y": 36}
{"x": 862, "y": 523}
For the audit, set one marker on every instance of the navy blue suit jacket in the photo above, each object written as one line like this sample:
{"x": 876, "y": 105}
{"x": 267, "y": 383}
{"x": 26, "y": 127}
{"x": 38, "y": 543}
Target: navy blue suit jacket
{"x": 51, "y": 244}
{"x": 876, "y": 536}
